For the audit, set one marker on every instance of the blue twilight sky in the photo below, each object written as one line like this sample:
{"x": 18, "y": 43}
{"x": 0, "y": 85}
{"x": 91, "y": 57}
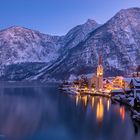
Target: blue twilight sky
{"x": 58, "y": 16}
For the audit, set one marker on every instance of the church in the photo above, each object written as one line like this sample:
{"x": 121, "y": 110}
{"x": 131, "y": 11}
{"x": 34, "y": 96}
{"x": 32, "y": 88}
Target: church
{"x": 97, "y": 79}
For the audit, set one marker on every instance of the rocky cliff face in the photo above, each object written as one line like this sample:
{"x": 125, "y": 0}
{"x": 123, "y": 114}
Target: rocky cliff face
{"x": 24, "y": 51}
{"x": 118, "y": 41}
{"x": 77, "y": 34}
{"x": 18, "y": 45}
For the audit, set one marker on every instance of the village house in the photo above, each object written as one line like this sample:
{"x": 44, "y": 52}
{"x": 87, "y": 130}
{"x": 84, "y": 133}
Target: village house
{"x": 135, "y": 86}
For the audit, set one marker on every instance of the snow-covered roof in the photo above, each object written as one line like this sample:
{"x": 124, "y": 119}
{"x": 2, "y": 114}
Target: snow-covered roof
{"x": 136, "y": 82}
{"x": 138, "y": 96}
{"x": 127, "y": 89}
{"x": 128, "y": 80}
{"x": 118, "y": 90}
{"x": 119, "y": 77}
{"x": 137, "y": 89}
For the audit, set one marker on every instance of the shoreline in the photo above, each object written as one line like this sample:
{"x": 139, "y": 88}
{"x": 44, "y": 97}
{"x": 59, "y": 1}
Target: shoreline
{"x": 24, "y": 84}
{"x": 124, "y": 99}
{"x": 134, "y": 113}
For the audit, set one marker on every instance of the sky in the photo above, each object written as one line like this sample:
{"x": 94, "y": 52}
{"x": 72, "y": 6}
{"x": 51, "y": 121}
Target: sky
{"x": 57, "y": 17}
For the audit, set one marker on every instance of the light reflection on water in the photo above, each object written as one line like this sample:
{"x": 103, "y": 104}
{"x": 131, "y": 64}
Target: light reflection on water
{"x": 108, "y": 104}
{"x": 45, "y": 113}
{"x": 100, "y": 105}
{"x": 100, "y": 111}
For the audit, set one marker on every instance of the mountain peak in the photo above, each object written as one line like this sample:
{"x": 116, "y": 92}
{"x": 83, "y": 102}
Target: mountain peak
{"x": 91, "y": 22}
{"x": 126, "y": 18}
{"x": 133, "y": 9}
{"x": 17, "y": 28}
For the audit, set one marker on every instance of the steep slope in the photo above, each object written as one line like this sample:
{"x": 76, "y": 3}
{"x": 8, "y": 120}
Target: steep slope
{"x": 70, "y": 41}
{"x": 18, "y": 44}
{"x": 27, "y": 48}
{"x": 118, "y": 41}
{"x": 77, "y": 34}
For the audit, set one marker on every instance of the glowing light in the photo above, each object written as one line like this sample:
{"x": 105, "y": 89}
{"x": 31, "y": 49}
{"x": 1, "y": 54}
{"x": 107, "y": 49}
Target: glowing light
{"x": 122, "y": 113}
{"x": 92, "y": 102}
{"x": 119, "y": 82}
{"x": 93, "y": 89}
{"x": 86, "y": 88}
{"x": 100, "y": 90}
{"x": 99, "y": 70}
{"x": 108, "y": 105}
{"x": 100, "y": 111}
{"x": 85, "y": 100}
{"x": 100, "y": 100}
{"x": 77, "y": 100}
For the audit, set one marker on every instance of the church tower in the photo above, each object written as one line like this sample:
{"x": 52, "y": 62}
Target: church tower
{"x": 99, "y": 74}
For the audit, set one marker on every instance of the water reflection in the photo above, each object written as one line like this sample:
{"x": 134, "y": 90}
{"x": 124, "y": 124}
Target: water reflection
{"x": 84, "y": 100}
{"x": 107, "y": 117}
{"x": 77, "y": 99}
{"x": 96, "y": 103}
{"x": 46, "y": 113}
{"x": 21, "y": 112}
{"x": 108, "y": 104}
{"x": 99, "y": 104}
{"x": 122, "y": 113}
{"x": 92, "y": 102}
{"x": 100, "y": 111}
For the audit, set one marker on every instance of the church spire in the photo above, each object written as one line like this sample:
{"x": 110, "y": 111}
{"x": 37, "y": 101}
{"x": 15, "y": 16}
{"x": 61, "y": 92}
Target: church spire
{"x": 100, "y": 60}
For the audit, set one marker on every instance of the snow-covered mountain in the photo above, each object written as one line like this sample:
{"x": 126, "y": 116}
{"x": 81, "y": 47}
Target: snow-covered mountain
{"x": 18, "y": 44}
{"x": 24, "y": 51}
{"x": 77, "y": 34}
{"x": 118, "y": 41}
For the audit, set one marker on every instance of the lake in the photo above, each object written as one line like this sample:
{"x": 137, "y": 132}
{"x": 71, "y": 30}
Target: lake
{"x": 45, "y": 113}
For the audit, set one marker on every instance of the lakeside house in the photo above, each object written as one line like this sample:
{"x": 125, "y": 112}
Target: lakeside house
{"x": 135, "y": 86}
{"x": 136, "y": 74}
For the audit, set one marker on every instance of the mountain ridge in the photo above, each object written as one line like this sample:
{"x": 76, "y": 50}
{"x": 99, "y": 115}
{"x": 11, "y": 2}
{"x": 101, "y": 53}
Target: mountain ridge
{"x": 103, "y": 39}
{"x": 77, "y": 51}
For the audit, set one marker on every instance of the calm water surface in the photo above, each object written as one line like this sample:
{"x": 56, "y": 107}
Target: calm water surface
{"x": 44, "y": 113}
